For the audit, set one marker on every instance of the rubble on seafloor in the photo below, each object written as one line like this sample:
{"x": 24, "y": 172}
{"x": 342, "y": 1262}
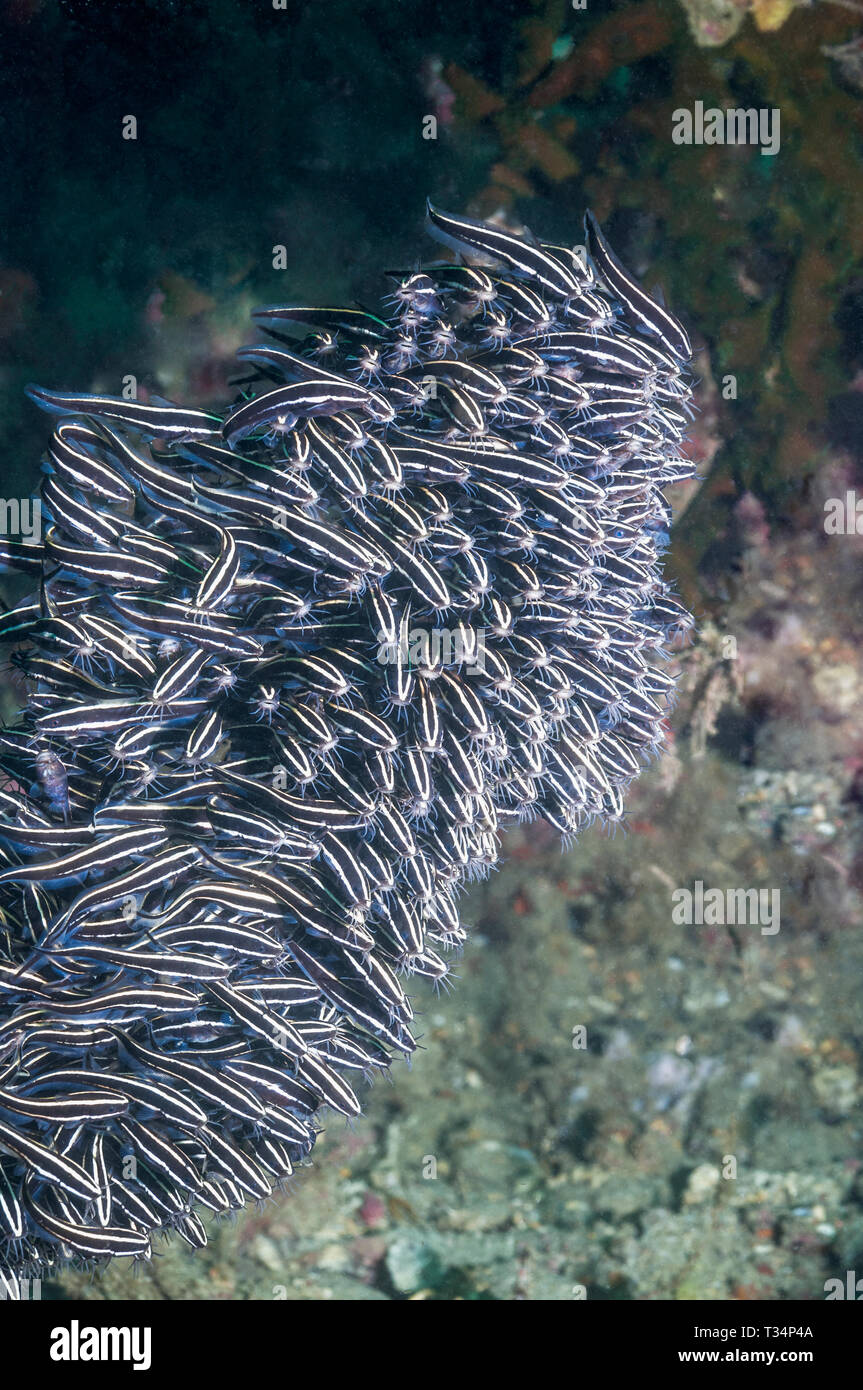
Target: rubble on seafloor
{"x": 612, "y": 1105}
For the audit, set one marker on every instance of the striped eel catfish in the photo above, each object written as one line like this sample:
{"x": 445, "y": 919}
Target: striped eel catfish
{"x": 291, "y": 669}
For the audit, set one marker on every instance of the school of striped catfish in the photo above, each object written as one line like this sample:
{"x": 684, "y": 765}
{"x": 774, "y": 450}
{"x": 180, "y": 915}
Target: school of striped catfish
{"x": 289, "y": 671}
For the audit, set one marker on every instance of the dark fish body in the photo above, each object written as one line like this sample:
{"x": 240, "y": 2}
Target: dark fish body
{"x": 291, "y": 670}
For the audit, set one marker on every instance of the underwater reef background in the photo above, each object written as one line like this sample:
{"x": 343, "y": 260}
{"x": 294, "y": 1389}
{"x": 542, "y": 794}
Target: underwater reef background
{"x": 521, "y": 1157}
